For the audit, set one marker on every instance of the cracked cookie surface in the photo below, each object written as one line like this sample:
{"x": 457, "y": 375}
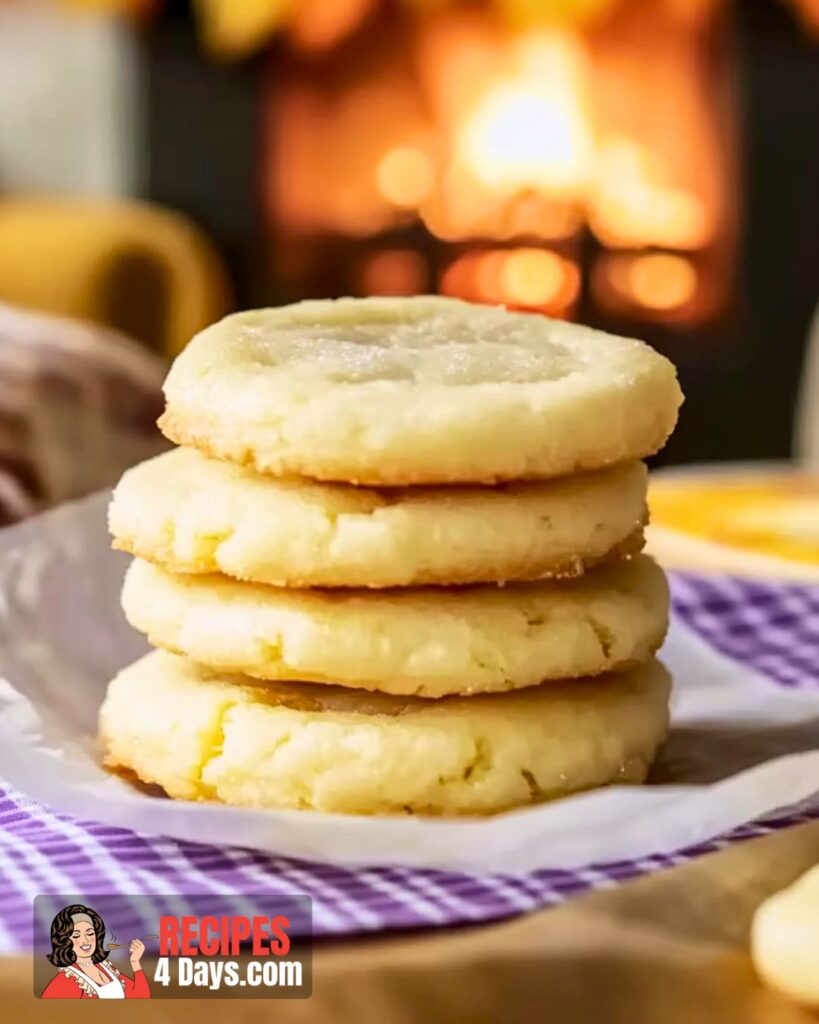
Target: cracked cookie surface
{"x": 190, "y": 513}
{"x": 429, "y": 642}
{"x": 423, "y": 390}
{"x": 205, "y": 736}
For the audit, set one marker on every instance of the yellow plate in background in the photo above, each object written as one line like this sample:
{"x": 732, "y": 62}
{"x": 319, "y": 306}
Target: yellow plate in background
{"x": 746, "y": 520}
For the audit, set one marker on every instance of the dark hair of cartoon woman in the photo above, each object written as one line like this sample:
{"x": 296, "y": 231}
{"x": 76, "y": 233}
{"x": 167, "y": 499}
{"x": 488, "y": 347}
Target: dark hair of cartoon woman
{"x": 64, "y": 947}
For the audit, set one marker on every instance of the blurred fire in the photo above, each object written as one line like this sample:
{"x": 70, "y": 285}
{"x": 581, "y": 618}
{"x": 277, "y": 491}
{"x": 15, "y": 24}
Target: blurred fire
{"x": 669, "y": 288}
{"x": 393, "y": 272}
{"x": 483, "y": 134}
{"x": 632, "y": 207}
{"x": 529, "y": 128}
{"x": 405, "y": 176}
{"x": 231, "y": 28}
{"x": 523, "y": 278}
{"x": 661, "y": 281}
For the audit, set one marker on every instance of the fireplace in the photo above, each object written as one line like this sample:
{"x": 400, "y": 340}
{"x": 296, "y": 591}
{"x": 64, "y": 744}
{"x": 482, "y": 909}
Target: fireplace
{"x": 649, "y": 170}
{"x": 578, "y": 171}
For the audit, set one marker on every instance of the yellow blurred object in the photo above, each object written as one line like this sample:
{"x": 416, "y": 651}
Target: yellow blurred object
{"x": 146, "y": 271}
{"x": 237, "y": 28}
{"x": 526, "y": 13}
{"x": 234, "y": 28}
{"x": 753, "y": 523}
{"x": 131, "y": 8}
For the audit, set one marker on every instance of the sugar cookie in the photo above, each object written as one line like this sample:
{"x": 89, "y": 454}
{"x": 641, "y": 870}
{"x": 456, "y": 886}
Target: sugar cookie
{"x": 417, "y": 391}
{"x": 205, "y": 737}
{"x": 195, "y": 514}
{"x": 429, "y": 642}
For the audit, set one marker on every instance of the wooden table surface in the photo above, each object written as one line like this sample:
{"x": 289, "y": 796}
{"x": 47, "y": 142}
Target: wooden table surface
{"x": 668, "y": 948}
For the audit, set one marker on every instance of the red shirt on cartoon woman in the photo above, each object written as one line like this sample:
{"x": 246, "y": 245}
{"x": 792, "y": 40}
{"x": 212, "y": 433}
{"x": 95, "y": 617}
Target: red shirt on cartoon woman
{"x": 84, "y": 971}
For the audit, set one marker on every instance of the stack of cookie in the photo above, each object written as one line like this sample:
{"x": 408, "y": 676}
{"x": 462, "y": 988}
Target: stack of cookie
{"x": 394, "y": 567}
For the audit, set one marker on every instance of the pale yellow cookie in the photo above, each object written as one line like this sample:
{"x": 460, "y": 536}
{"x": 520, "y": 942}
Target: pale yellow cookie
{"x": 785, "y": 940}
{"x": 205, "y": 737}
{"x": 425, "y": 642}
{"x": 413, "y": 391}
{"x": 195, "y": 514}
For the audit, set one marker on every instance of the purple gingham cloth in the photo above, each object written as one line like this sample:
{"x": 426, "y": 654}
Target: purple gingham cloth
{"x": 772, "y": 627}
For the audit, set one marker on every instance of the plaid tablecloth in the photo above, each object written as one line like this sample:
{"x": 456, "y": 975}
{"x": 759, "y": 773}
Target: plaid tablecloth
{"x": 773, "y": 628}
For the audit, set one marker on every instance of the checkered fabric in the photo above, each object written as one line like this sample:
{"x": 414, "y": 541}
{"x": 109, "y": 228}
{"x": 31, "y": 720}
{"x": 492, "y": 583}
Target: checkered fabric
{"x": 773, "y": 628}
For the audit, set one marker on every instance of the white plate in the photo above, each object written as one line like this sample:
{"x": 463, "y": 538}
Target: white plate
{"x": 740, "y": 747}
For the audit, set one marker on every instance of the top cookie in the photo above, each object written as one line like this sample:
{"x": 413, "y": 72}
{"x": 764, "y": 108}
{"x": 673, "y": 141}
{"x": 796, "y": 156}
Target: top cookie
{"x": 417, "y": 391}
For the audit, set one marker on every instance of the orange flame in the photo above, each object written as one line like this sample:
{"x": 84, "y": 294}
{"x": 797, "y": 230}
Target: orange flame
{"x": 523, "y": 278}
{"x": 493, "y": 135}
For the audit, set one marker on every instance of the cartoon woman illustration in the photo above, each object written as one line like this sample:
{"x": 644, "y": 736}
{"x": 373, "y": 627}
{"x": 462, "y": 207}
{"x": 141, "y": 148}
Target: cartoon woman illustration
{"x": 84, "y": 971}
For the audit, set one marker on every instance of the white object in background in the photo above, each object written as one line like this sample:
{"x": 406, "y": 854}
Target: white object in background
{"x": 68, "y": 102}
